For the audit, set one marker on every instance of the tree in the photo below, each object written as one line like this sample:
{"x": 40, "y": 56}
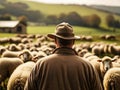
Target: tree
{"x": 62, "y": 18}
{"x": 23, "y": 20}
{"x": 74, "y": 18}
{"x": 5, "y": 17}
{"x": 51, "y": 19}
{"x": 92, "y": 21}
{"x": 110, "y": 21}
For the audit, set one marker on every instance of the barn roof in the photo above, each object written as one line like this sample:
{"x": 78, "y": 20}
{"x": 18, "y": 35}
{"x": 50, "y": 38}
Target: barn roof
{"x": 8, "y": 24}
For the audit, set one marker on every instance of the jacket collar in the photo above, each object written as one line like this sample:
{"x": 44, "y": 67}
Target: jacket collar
{"x": 65, "y": 51}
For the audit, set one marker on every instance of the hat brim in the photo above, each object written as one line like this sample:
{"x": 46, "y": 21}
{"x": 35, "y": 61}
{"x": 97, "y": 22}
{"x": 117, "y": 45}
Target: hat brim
{"x": 67, "y": 38}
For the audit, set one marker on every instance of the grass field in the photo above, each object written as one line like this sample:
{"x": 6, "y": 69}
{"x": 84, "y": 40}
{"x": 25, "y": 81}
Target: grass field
{"x": 77, "y": 30}
{"x": 44, "y": 30}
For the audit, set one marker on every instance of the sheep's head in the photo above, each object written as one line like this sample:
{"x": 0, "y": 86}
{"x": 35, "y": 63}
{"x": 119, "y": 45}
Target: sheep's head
{"x": 25, "y": 56}
{"x": 39, "y": 56}
{"x": 106, "y": 63}
{"x": 2, "y": 50}
{"x": 12, "y": 47}
{"x": 82, "y": 52}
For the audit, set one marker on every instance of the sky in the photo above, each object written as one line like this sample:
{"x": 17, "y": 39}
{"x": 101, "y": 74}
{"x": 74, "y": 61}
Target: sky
{"x": 87, "y": 2}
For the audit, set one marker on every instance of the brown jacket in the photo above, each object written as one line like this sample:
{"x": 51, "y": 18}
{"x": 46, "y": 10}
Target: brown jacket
{"x": 63, "y": 70}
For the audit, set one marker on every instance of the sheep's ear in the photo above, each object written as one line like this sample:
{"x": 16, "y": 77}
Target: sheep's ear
{"x": 99, "y": 60}
{"x": 20, "y": 54}
{"x": 34, "y": 59}
{"x": 114, "y": 59}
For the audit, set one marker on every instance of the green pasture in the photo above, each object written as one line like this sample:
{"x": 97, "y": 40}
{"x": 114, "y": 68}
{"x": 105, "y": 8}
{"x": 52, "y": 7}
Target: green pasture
{"x": 44, "y": 30}
{"x": 77, "y": 30}
{"x": 96, "y": 33}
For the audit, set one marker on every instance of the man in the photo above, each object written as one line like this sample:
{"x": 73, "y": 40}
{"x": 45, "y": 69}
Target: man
{"x": 64, "y": 69}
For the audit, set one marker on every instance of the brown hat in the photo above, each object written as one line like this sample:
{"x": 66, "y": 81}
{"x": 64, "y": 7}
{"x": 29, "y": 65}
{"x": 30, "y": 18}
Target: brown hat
{"x": 64, "y": 31}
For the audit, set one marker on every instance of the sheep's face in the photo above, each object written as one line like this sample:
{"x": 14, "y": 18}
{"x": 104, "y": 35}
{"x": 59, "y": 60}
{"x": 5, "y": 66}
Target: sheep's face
{"x": 26, "y": 56}
{"x": 2, "y": 50}
{"x": 82, "y": 53}
{"x": 107, "y": 64}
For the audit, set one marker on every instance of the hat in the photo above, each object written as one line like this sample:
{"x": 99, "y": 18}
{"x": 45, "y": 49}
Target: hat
{"x": 63, "y": 31}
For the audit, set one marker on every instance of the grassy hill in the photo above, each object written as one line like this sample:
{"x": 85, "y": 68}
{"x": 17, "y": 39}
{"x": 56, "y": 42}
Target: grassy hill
{"x": 112, "y": 9}
{"x": 56, "y": 9}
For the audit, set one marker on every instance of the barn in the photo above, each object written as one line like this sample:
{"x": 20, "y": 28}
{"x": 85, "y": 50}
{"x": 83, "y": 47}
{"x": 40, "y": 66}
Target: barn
{"x": 12, "y": 27}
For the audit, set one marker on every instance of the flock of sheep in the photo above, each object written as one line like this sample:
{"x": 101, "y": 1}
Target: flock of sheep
{"x": 19, "y": 54}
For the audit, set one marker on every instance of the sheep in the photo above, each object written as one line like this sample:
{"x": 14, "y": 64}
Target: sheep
{"x": 15, "y": 40}
{"x": 89, "y": 38}
{"x": 21, "y": 45}
{"x": 40, "y": 54}
{"x": 113, "y": 49}
{"x": 31, "y": 36}
{"x": 117, "y": 57}
{"x": 21, "y": 35}
{"x": 2, "y": 50}
{"x": 110, "y": 37}
{"x": 106, "y": 48}
{"x": 4, "y": 40}
{"x": 106, "y": 64}
{"x": 46, "y": 49}
{"x": 11, "y": 54}
{"x": 93, "y": 60}
{"x": 82, "y": 52}
{"x": 98, "y": 50}
{"x": 90, "y": 56}
{"x": 25, "y": 55}
{"x": 25, "y": 40}
{"x": 52, "y": 45}
{"x": 112, "y": 79}
{"x": 14, "y": 47}
{"x": 7, "y": 65}
{"x": 38, "y": 36}
{"x": 18, "y": 78}
{"x": 103, "y": 37}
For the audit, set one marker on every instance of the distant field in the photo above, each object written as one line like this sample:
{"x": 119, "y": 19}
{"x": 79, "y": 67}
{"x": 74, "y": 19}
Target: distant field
{"x": 77, "y": 30}
{"x": 44, "y": 30}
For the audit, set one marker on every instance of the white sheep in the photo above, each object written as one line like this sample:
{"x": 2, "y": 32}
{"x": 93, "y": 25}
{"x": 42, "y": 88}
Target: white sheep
{"x": 18, "y": 78}
{"x": 114, "y": 49}
{"x": 101, "y": 65}
{"x": 105, "y": 64}
{"x": 112, "y": 79}
{"x": 25, "y": 55}
{"x": 14, "y": 47}
{"x": 39, "y": 55}
{"x": 2, "y": 50}
{"x": 11, "y": 54}
{"x": 98, "y": 50}
{"x": 82, "y": 52}
{"x": 7, "y": 65}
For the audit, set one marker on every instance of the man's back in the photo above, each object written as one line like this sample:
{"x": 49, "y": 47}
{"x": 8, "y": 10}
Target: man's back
{"x": 63, "y": 70}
